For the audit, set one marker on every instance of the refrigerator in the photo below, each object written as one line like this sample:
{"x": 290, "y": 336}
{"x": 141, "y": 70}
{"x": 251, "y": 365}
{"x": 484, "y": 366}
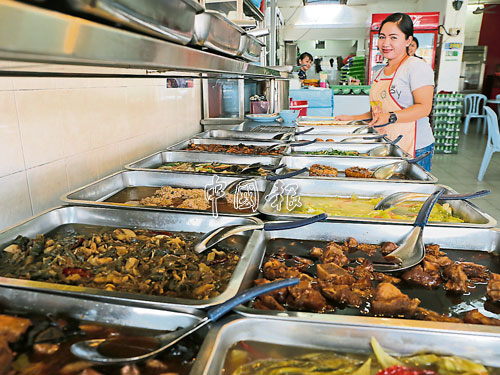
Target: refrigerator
{"x": 472, "y": 70}
{"x": 425, "y": 28}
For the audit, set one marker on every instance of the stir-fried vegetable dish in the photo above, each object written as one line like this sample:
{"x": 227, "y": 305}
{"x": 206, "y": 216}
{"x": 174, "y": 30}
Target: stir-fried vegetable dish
{"x": 136, "y": 261}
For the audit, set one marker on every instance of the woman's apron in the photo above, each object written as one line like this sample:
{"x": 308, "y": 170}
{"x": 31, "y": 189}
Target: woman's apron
{"x": 382, "y": 100}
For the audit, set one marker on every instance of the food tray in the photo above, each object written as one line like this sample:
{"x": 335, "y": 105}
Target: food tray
{"x": 56, "y": 312}
{"x": 337, "y": 129}
{"x": 124, "y": 186}
{"x": 415, "y": 172}
{"x": 171, "y": 20}
{"x": 481, "y": 240}
{"x": 181, "y": 146}
{"x": 120, "y": 218}
{"x": 370, "y": 189}
{"x": 153, "y": 161}
{"x": 250, "y": 48}
{"x": 309, "y": 136}
{"x": 214, "y": 31}
{"x": 395, "y": 151}
{"x": 241, "y": 135}
{"x": 341, "y": 337}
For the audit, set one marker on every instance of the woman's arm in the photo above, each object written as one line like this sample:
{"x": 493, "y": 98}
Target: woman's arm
{"x": 422, "y": 98}
{"x": 364, "y": 116}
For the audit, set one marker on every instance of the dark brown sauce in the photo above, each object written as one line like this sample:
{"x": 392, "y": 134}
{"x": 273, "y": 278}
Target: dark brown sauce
{"x": 136, "y": 193}
{"x": 177, "y": 359}
{"x": 438, "y": 300}
{"x": 127, "y": 346}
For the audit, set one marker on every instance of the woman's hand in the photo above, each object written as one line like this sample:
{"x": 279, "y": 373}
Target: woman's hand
{"x": 379, "y": 118}
{"x": 345, "y": 118}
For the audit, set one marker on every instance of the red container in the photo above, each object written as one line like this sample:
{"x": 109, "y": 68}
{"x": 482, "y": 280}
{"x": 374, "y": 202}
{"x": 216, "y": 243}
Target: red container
{"x": 258, "y": 107}
{"x": 301, "y": 105}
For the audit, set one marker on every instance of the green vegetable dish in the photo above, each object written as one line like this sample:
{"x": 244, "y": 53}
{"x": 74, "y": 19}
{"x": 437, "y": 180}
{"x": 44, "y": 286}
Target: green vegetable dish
{"x": 212, "y": 167}
{"x": 256, "y": 358}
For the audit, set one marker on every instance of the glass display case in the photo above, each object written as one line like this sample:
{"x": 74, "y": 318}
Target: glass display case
{"x": 472, "y": 70}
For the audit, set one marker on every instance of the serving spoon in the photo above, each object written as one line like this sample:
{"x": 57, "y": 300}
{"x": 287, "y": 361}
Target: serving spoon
{"x": 385, "y": 172}
{"x": 412, "y": 251}
{"x": 284, "y": 136}
{"x": 385, "y": 149}
{"x": 89, "y": 349}
{"x": 255, "y": 166}
{"x": 210, "y": 239}
{"x": 368, "y": 138}
{"x": 399, "y": 197}
{"x": 269, "y": 177}
{"x": 272, "y": 147}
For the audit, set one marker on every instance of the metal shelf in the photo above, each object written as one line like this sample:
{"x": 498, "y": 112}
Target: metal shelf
{"x": 29, "y": 33}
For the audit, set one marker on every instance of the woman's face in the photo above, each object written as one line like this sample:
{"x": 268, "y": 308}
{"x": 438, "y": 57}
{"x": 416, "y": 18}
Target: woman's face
{"x": 392, "y": 41}
{"x": 412, "y": 49}
{"x": 305, "y": 61}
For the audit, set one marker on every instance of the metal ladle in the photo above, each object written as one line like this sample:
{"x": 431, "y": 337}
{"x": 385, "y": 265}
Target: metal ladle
{"x": 272, "y": 177}
{"x": 385, "y": 149}
{"x": 89, "y": 349}
{"x": 368, "y": 138}
{"x": 210, "y": 239}
{"x": 283, "y": 136}
{"x": 412, "y": 251}
{"x": 399, "y": 197}
{"x": 272, "y": 147}
{"x": 258, "y": 165}
{"x": 387, "y": 171}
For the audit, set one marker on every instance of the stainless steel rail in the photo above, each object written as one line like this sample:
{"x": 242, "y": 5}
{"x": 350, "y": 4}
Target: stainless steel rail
{"x": 29, "y": 33}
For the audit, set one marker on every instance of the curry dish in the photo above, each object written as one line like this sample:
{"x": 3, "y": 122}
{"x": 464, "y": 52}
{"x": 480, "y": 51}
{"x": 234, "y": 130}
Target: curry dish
{"x": 364, "y": 207}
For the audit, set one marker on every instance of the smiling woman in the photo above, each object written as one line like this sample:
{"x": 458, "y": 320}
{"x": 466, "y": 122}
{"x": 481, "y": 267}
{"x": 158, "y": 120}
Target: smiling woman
{"x": 401, "y": 94}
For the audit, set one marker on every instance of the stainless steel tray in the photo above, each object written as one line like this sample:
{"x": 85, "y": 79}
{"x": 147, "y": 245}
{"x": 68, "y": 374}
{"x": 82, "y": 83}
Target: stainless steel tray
{"x": 415, "y": 173}
{"x": 250, "y": 48}
{"x": 370, "y": 189}
{"x": 334, "y": 129}
{"x": 181, "y": 146}
{"x": 97, "y": 193}
{"x": 395, "y": 151}
{"x": 330, "y": 138}
{"x": 152, "y": 162}
{"x": 467, "y": 239}
{"x": 114, "y": 217}
{"x": 341, "y": 337}
{"x": 171, "y": 20}
{"x": 242, "y": 135}
{"x": 214, "y": 31}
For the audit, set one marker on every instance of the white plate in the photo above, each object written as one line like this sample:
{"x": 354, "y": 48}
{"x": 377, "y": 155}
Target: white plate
{"x": 263, "y": 117}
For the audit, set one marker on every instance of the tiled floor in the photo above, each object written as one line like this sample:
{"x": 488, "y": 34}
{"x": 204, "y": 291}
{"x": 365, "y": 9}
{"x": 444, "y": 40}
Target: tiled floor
{"x": 459, "y": 171}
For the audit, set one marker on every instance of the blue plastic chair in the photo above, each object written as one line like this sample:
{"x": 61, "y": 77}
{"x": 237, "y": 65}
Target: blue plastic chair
{"x": 474, "y": 108}
{"x": 493, "y": 144}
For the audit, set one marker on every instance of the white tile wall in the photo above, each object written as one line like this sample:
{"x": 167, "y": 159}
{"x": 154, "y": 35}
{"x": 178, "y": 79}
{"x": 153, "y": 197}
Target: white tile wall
{"x": 14, "y": 199}
{"x": 57, "y": 134}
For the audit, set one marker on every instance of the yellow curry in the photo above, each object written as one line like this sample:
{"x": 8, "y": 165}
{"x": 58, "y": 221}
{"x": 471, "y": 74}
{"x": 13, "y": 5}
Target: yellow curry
{"x": 364, "y": 207}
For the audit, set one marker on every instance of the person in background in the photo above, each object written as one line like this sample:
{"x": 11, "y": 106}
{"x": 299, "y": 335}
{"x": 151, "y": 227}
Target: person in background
{"x": 413, "y": 47}
{"x": 401, "y": 94}
{"x": 305, "y": 63}
{"x": 317, "y": 65}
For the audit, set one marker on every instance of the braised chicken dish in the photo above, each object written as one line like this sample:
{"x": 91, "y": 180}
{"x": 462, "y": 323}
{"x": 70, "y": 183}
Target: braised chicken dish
{"x": 341, "y": 276}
